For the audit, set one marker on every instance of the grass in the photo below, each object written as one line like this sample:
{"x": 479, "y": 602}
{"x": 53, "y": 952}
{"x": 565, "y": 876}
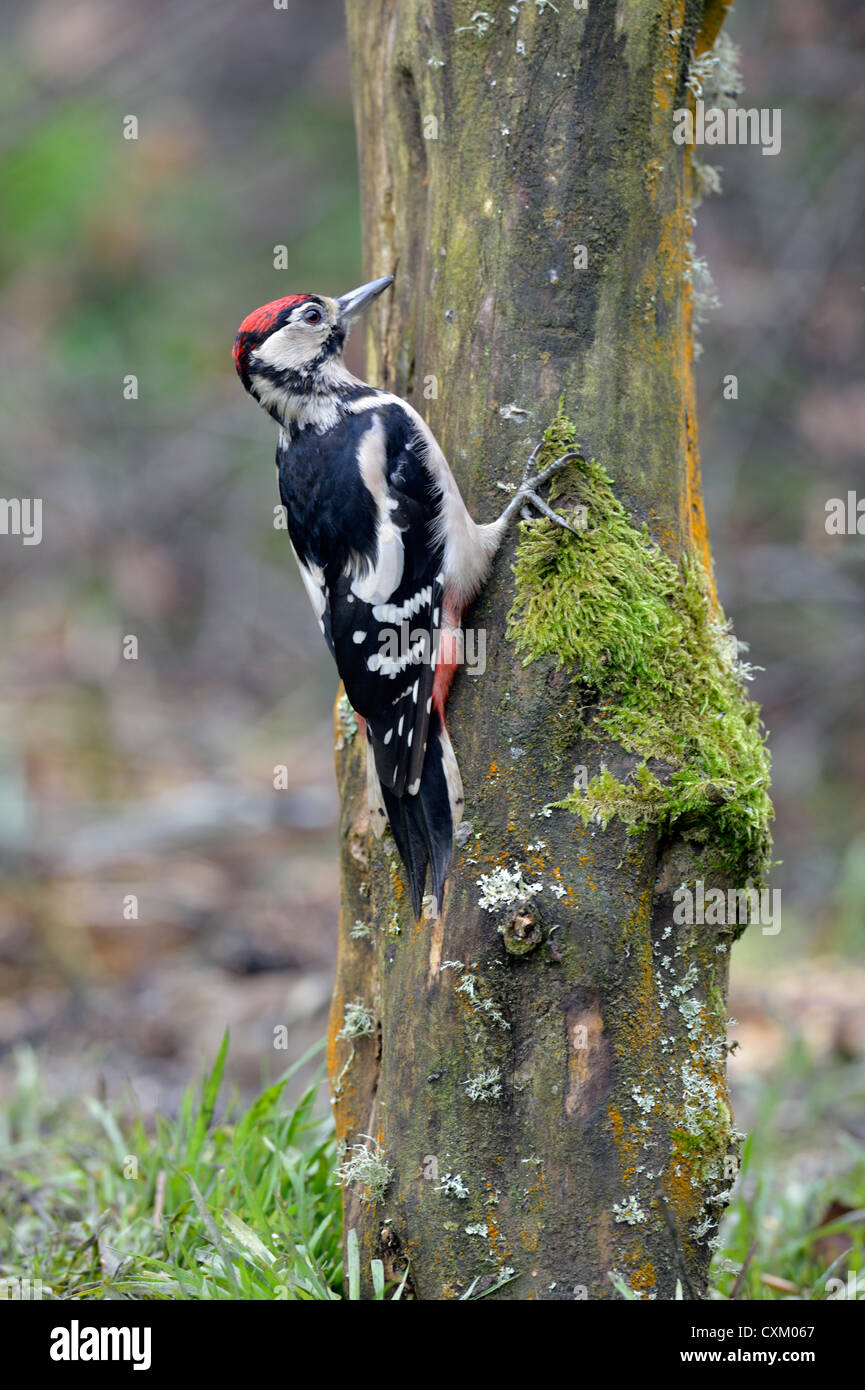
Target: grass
{"x": 775, "y": 1234}
{"x": 245, "y": 1204}
{"x": 242, "y": 1206}
{"x": 785, "y": 1233}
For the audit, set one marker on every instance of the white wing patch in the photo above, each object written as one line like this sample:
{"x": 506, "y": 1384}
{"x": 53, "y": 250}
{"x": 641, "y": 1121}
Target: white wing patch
{"x": 313, "y": 581}
{"x": 453, "y": 778}
{"x": 468, "y": 548}
{"x": 375, "y": 801}
{"x": 377, "y": 585}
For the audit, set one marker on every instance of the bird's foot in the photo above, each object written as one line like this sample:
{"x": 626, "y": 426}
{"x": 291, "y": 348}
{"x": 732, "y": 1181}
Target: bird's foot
{"x": 526, "y": 493}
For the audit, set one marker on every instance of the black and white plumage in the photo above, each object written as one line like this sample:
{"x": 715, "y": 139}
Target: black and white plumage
{"x": 359, "y": 523}
{"x": 388, "y": 555}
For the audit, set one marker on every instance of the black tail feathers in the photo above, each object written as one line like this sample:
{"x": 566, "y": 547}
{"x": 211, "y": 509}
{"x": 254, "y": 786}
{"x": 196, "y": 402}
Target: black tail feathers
{"x": 423, "y": 825}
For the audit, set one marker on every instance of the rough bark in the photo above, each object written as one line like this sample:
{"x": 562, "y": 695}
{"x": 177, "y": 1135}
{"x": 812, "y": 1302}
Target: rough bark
{"x": 486, "y": 159}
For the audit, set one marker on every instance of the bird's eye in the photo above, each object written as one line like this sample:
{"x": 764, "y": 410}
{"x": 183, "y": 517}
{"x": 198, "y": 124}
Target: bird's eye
{"x": 312, "y": 315}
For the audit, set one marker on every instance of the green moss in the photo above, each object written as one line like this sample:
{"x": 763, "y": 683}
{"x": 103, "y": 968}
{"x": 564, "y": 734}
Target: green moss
{"x": 657, "y": 667}
{"x": 706, "y": 1147}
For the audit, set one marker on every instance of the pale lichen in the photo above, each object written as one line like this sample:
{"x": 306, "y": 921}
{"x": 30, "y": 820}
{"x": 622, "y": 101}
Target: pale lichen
{"x": 645, "y": 1101}
{"x": 485, "y": 1085}
{"x": 630, "y": 1212}
{"x": 365, "y": 1165}
{"x": 714, "y": 78}
{"x": 704, "y": 293}
{"x": 477, "y": 1228}
{"x": 357, "y": 1021}
{"x": 470, "y": 986}
{"x": 453, "y": 1186}
{"x": 505, "y": 888}
{"x": 480, "y": 24}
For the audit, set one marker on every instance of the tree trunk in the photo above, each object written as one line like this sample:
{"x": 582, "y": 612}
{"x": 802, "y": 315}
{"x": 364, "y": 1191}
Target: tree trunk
{"x": 544, "y": 1079}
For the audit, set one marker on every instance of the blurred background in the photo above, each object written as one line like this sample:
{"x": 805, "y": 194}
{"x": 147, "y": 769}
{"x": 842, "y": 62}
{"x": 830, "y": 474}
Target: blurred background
{"x": 153, "y": 776}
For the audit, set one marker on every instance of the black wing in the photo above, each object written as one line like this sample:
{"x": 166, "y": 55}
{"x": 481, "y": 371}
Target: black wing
{"x": 384, "y": 621}
{"x": 379, "y": 604}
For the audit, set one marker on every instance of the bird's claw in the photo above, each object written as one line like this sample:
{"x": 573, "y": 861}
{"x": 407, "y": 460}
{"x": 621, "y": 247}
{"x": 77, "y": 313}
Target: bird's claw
{"x": 546, "y": 511}
{"x": 527, "y": 490}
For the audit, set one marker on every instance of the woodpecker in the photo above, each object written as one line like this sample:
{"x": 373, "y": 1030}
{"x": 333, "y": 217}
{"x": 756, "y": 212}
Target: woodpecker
{"x": 386, "y": 548}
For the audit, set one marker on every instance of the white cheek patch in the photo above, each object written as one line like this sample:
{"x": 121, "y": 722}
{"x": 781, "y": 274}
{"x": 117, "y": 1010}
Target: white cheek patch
{"x": 291, "y": 348}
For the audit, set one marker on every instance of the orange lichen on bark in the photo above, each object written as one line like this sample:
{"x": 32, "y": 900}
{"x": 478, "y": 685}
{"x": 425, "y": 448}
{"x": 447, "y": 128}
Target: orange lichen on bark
{"x": 502, "y": 1252}
{"x": 714, "y": 14}
{"x": 664, "y": 75}
{"x": 693, "y": 513}
{"x": 641, "y": 1272}
{"x": 334, "y": 1026}
{"x": 678, "y": 1185}
{"x": 666, "y": 271}
{"x": 628, "y": 1147}
{"x": 540, "y": 1188}
{"x": 396, "y": 880}
{"x": 640, "y": 1028}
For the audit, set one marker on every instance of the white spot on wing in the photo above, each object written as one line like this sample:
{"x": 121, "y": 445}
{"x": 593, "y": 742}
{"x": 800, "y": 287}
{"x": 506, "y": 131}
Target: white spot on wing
{"x": 398, "y": 612}
{"x": 390, "y": 667}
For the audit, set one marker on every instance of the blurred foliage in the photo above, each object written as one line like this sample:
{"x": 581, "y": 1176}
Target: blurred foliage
{"x": 785, "y": 248}
{"x": 155, "y": 776}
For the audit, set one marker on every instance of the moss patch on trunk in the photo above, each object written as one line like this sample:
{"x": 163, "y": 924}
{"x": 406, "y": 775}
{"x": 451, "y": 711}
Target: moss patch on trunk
{"x": 659, "y": 667}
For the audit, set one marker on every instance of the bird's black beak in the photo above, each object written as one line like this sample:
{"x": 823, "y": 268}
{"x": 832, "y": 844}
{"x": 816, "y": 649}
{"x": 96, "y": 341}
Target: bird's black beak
{"x": 353, "y": 303}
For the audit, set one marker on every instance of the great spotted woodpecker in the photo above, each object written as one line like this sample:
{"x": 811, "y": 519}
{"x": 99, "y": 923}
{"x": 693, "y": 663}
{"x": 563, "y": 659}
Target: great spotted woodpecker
{"x": 385, "y": 546}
